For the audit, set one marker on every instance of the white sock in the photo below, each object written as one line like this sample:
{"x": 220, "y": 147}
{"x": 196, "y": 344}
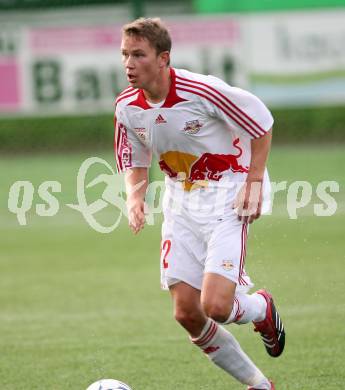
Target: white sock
{"x": 262, "y": 385}
{"x": 222, "y": 348}
{"x": 247, "y": 308}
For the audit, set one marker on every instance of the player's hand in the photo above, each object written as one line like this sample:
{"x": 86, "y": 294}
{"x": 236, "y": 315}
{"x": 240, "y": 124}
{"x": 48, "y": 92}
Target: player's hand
{"x": 136, "y": 216}
{"x": 248, "y": 202}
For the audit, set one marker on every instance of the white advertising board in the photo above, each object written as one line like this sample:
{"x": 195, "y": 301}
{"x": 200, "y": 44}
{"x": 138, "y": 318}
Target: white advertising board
{"x": 297, "y": 58}
{"x": 78, "y": 69}
{"x": 286, "y": 58}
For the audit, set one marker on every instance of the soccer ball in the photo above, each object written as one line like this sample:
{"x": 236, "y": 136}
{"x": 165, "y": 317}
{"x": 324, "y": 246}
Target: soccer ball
{"x": 108, "y": 384}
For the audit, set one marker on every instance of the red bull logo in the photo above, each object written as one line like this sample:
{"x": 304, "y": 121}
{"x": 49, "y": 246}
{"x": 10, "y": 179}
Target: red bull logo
{"x": 192, "y": 170}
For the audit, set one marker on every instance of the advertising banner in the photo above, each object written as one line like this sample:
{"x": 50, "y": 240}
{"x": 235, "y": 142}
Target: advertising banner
{"x": 78, "y": 69}
{"x": 297, "y": 58}
{"x": 287, "y": 59}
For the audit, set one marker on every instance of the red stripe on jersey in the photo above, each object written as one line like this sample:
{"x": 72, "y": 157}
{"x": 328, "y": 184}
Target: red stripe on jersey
{"x": 124, "y": 148}
{"x": 118, "y": 143}
{"x": 128, "y": 89}
{"x": 126, "y": 96}
{"x": 259, "y": 130}
{"x": 115, "y": 142}
{"x": 216, "y": 104}
{"x": 245, "y": 123}
{"x": 226, "y": 108}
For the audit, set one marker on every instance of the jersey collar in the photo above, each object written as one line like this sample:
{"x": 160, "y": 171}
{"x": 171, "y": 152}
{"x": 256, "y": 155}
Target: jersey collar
{"x": 171, "y": 99}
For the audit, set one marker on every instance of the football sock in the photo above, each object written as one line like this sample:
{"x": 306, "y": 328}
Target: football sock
{"x": 223, "y": 350}
{"x": 247, "y": 308}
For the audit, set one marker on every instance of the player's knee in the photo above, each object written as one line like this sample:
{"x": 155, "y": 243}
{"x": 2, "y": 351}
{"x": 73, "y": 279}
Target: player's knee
{"x": 217, "y": 311}
{"x": 187, "y": 318}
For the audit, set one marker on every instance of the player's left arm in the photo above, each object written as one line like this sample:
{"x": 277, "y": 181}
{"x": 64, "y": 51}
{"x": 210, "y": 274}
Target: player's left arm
{"x": 249, "y": 199}
{"x": 248, "y": 116}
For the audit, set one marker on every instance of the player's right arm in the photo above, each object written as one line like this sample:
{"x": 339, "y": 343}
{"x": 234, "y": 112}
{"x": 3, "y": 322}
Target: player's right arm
{"x": 132, "y": 158}
{"x": 136, "y": 180}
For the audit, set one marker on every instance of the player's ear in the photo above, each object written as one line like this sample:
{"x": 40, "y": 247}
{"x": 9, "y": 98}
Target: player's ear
{"x": 164, "y": 57}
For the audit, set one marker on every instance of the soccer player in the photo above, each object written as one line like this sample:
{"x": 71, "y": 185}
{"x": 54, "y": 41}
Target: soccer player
{"x": 212, "y": 141}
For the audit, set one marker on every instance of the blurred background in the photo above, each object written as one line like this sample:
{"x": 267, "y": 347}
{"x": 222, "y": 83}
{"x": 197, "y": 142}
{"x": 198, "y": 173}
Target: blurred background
{"x": 77, "y": 305}
{"x": 60, "y": 66}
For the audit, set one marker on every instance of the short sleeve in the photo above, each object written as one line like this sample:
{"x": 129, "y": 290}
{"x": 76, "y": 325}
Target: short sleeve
{"x": 240, "y": 109}
{"x": 130, "y": 152}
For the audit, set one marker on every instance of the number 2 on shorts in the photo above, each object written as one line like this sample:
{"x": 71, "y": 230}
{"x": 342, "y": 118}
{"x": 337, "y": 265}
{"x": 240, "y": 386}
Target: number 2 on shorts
{"x": 165, "y": 250}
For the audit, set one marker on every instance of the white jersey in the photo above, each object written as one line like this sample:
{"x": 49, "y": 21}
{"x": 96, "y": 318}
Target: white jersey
{"x": 200, "y": 134}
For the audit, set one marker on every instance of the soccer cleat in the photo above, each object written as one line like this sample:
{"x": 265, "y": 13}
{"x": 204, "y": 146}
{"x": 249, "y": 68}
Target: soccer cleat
{"x": 271, "y": 328}
{"x": 271, "y": 383}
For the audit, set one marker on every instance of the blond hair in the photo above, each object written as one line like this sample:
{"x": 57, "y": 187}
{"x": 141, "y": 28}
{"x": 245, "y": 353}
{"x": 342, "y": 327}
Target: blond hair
{"x": 152, "y": 29}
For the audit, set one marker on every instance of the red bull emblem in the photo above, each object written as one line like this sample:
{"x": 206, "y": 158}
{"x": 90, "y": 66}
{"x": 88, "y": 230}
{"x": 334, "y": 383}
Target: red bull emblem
{"x": 227, "y": 265}
{"x": 207, "y": 167}
{"x": 192, "y": 127}
{"x": 141, "y": 133}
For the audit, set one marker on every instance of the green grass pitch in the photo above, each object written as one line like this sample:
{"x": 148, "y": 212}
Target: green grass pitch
{"x": 77, "y": 305}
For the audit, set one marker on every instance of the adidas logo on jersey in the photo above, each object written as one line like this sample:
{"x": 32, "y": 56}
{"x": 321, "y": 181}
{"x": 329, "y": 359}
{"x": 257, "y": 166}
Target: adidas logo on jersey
{"x": 160, "y": 120}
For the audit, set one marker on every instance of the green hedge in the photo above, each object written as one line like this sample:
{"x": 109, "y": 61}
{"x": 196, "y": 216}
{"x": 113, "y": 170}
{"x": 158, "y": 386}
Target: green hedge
{"x": 326, "y": 124}
{"x": 316, "y": 125}
{"x": 56, "y": 134}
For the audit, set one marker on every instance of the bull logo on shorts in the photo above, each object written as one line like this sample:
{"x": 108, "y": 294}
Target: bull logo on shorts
{"x": 192, "y": 170}
{"x": 227, "y": 265}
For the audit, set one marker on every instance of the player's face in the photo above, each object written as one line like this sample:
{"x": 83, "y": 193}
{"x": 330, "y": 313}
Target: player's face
{"x": 141, "y": 62}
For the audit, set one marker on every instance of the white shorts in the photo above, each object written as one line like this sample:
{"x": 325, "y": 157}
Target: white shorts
{"x": 190, "y": 248}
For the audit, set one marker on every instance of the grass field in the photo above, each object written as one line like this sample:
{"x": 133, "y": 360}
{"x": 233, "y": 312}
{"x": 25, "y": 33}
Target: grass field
{"x": 77, "y": 305}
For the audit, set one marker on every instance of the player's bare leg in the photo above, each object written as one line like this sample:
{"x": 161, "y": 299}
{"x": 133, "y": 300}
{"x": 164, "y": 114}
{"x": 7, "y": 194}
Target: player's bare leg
{"x": 187, "y": 308}
{"x": 217, "y": 296}
{"x": 222, "y": 303}
{"x": 215, "y": 341}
